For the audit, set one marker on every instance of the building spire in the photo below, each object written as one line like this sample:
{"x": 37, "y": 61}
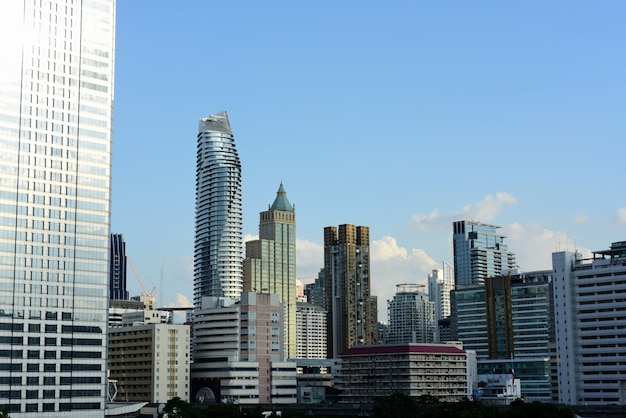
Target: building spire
{"x": 281, "y": 202}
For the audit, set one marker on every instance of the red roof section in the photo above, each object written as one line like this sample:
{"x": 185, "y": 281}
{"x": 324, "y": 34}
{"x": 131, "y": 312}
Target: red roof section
{"x": 402, "y": 348}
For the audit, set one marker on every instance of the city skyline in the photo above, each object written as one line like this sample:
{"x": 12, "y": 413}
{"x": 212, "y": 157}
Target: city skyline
{"x": 404, "y": 118}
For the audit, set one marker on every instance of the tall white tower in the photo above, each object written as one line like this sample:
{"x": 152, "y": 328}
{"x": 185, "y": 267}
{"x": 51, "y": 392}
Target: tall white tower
{"x": 218, "y": 246}
{"x": 440, "y": 284}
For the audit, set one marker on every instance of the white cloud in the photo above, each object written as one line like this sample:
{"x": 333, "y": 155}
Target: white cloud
{"x": 484, "y": 210}
{"x": 487, "y": 209}
{"x": 249, "y": 237}
{"x": 391, "y": 265}
{"x": 386, "y": 248}
{"x": 620, "y": 215}
{"x": 309, "y": 259}
{"x": 580, "y": 218}
{"x": 533, "y": 245}
{"x": 181, "y": 301}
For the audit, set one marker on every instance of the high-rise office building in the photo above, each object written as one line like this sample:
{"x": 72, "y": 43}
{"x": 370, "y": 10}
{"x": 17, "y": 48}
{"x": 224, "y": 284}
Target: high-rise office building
{"x": 440, "y": 284}
{"x": 270, "y": 264}
{"x": 411, "y": 316}
{"x": 479, "y": 252}
{"x": 507, "y": 321}
{"x": 590, "y": 322}
{"x": 56, "y": 103}
{"x": 218, "y": 243}
{"x": 117, "y": 267}
{"x": 352, "y": 311}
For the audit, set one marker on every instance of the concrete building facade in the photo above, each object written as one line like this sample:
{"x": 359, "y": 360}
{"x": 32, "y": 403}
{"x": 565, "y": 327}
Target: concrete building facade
{"x": 411, "y": 316}
{"x": 239, "y": 352}
{"x": 590, "y": 322}
{"x": 150, "y": 361}
{"x": 311, "y": 331}
{"x": 438, "y": 370}
{"x": 352, "y": 310}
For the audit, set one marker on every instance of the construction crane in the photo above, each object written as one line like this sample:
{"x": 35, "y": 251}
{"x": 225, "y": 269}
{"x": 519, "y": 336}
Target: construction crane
{"x": 148, "y": 299}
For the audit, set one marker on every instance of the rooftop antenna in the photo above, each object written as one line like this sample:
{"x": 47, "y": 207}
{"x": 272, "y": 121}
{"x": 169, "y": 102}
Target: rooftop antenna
{"x": 161, "y": 292}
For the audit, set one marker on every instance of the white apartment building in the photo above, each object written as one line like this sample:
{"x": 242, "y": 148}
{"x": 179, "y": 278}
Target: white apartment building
{"x": 440, "y": 284}
{"x": 311, "y": 331}
{"x": 590, "y": 322}
{"x": 411, "y": 316}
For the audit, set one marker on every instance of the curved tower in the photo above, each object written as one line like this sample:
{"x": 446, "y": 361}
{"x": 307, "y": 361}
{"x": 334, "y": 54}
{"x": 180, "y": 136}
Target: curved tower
{"x": 218, "y": 244}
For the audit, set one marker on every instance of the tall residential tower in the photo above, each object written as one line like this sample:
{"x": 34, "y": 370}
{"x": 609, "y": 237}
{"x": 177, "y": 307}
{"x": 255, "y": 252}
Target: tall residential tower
{"x": 218, "y": 244}
{"x": 352, "y": 311}
{"x": 56, "y": 104}
{"x": 270, "y": 264}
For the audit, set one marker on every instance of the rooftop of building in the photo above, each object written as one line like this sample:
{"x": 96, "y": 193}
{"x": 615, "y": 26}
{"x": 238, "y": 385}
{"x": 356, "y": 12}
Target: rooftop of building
{"x": 281, "y": 202}
{"x": 402, "y": 348}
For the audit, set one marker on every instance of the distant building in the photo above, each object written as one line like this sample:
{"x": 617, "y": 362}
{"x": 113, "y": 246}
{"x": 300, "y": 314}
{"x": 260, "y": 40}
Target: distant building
{"x": 411, "y": 316}
{"x": 117, "y": 267}
{"x": 218, "y": 241}
{"x": 590, "y": 319}
{"x": 311, "y": 331}
{"x": 315, "y": 291}
{"x": 507, "y": 321}
{"x": 479, "y": 252}
{"x": 270, "y": 264}
{"x": 414, "y": 370}
{"x": 443, "y": 330}
{"x": 352, "y": 311}
{"x": 440, "y": 284}
{"x": 119, "y": 311}
{"x": 150, "y": 361}
{"x": 239, "y": 352}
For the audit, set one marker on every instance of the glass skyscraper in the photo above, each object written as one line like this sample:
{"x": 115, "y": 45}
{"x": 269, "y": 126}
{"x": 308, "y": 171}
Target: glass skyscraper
{"x": 56, "y": 103}
{"x": 218, "y": 268}
{"x": 479, "y": 252}
{"x": 117, "y": 267}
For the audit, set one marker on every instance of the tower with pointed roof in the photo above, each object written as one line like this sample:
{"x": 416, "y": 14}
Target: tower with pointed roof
{"x": 270, "y": 263}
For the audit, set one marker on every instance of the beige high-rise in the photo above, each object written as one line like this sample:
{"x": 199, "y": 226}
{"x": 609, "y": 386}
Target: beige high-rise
{"x": 352, "y": 311}
{"x": 270, "y": 264}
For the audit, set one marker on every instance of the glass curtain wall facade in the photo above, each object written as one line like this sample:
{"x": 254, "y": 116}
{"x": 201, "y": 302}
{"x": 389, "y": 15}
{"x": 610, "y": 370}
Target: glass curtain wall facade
{"x": 479, "y": 252}
{"x": 117, "y": 268}
{"x": 218, "y": 243}
{"x": 56, "y": 103}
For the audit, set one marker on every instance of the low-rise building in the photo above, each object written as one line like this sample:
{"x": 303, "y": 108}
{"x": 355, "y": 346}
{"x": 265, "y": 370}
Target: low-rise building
{"x": 150, "y": 362}
{"x": 368, "y": 372}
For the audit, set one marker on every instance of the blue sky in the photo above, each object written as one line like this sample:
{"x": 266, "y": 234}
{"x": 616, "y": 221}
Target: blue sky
{"x": 403, "y": 116}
